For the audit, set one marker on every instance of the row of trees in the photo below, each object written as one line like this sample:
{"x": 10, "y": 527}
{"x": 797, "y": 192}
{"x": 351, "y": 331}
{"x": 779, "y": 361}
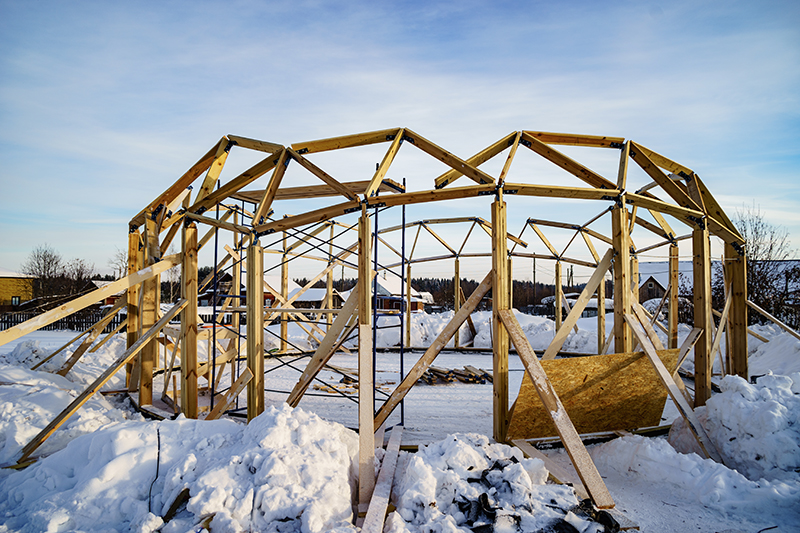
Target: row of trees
{"x": 55, "y": 276}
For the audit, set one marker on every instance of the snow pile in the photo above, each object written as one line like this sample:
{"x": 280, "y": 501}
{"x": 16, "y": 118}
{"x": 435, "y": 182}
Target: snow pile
{"x": 756, "y": 428}
{"x": 712, "y": 484}
{"x": 781, "y": 355}
{"x": 287, "y": 470}
{"x": 30, "y": 400}
{"x": 463, "y": 482}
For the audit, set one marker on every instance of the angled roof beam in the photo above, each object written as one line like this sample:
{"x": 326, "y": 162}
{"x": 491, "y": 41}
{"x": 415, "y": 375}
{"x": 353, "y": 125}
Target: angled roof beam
{"x": 572, "y": 139}
{"x": 383, "y": 168}
{"x": 453, "y": 161}
{"x": 556, "y": 191}
{"x": 272, "y": 188}
{"x": 253, "y": 144}
{"x": 438, "y": 238}
{"x": 223, "y": 149}
{"x": 670, "y": 187}
{"x": 345, "y": 141}
{"x": 476, "y": 160}
{"x": 565, "y": 162}
{"x": 510, "y": 158}
{"x": 543, "y": 238}
{"x": 321, "y": 174}
{"x": 564, "y": 225}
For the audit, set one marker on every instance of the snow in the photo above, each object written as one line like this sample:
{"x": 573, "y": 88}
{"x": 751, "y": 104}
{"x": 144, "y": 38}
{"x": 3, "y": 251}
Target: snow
{"x": 107, "y": 469}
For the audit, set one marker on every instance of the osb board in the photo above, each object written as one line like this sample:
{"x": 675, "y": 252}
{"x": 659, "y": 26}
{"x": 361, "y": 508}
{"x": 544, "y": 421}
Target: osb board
{"x": 600, "y": 393}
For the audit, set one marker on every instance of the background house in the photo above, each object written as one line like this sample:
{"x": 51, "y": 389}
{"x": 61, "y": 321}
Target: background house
{"x": 15, "y": 288}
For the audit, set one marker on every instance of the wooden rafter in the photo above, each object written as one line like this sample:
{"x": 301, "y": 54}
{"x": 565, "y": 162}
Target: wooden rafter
{"x": 476, "y": 160}
{"x": 570, "y": 165}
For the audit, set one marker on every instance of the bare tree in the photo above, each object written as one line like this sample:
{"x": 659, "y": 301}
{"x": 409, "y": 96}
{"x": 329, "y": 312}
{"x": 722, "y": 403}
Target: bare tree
{"x": 119, "y": 263}
{"x": 768, "y": 248}
{"x": 78, "y": 273}
{"x": 47, "y": 266}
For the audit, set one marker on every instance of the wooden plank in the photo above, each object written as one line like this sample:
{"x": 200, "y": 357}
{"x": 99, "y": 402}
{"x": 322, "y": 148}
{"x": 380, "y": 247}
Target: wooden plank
{"x": 86, "y": 300}
{"x": 214, "y": 170}
{"x": 713, "y": 207}
{"x": 664, "y": 162}
{"x": 345, "y": 141}
{"x": 543, "y": 238}
{"x": 737, "y": 267}
{"x": 317, "y": 215}
{"x": 580, "y": 304}
{"x": 325, "y": 349}
{"x": 685, "y": 215}
{"x": 622, "y": 173}
{"x": 500, "y": 282}
{"x": 590, "y": 246}
{"x": 235, "y": 390}
{"x": 685, "y": 410}
{"x": 425, "y": 361}
{"x": 255, "y": 330}
{"x": 321, "y": 174}
{"x": 453, "y": 161}
{"x": 573, "y": 139}
{"x": 253, "y": 144}
{"x": 672, "y": 188}
{"x": 701, "y": 265}
{"x": 383, "y": 168}
{"x": 188, "y": 333}
{"x": 218, "y": 223}
{"x": 554, "y": 224}
{"x": 97, "y": 329}
{"x": 108, "y": 337}
{"x": 558, "y": 303}
{"x": 180, "y": 185}
{"x": 487, "y": 227}
{"x": 265, "y": 203}
{"x": 438, "y": 238}
{"x": 476, "y": 160}
{"x": 569, "y": 436}
{"x": 674, "y": 263}
{"x": 599, "y": 392}
{"x": 688, "y": 343}
{"x": 150, "y": 307}
{"x": 318, "y": 191}
{"x": 242, "y": 180}
{"x": 510, "y": 158}
{"x": 570, "y": 165}
{"x": 622, "y": 279}
{"x": 434, "y": 195}
{"x": 366, "y": 419}
{"x": 774, "y": 319}
{"x": 376, "y": 514}
{"x": 82, "y": 398}
{"x": 723, "y": 323}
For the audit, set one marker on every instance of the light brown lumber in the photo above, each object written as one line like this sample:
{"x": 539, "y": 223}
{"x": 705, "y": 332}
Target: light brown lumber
{"x": 567, "y": 163}
{"x": 86, "y": 300}
{"x": 557, "y": 472}
{"x": 663, "y": 162}
{"x": 438, "y": 238}
{"x": 214, "y": 170}
{"x": 453, "y": 161}
{"x": 254, "y": 144}
{"x": 701, "y": 266}
{"x": 737, "y": 267}
{"x": 688, "y": 343}
{"x": 510, "y": 158}
{"x": 713, "y": 207}
{"x": 97, "y": 329}
{"x": 274, "y": 184}
{"x": 572, "y": 139}
{"x": 317, "y": 215}
{"x": 686, "y": 411}
{"x": 586, "y": 469}
{"x": 780, "y": 324}
{"x": 49, "y": 357}
{"x": 236, "y": 388}
{"x": 425, "y": 361}
{"x": 189, "y": 326}
{"x": 321, "y": 174}
{"x": 218, "y": 223}
{"x": 325, "y": 349}
{"x": 476, "y": 160}
{"x": 366, "y": 392}
{"x": 684, "y": 214}
{"x": 433, "y": 195}
{"x": 723, "y": 325}
{"x": 376, "y": 514}
{"x": 487, "y": 227}
{"x": 383, "y": 168}
{"x": 99, "y": 382}
{"x": 565, "y": 305}
{"x": 543, "y": 238}
{"x": 674, "y": 271}
{"x": 150, "y": 308}
{"x": 590, "y": 246}
{"x": 556, "y": 191}
{"x": 672, "y": 188}
{"x": 622, "y": 279}
{"x": 242, "y": 180}
{"x": 255, "y": 330}
{"x": 554, "y": 224}
{"x": 180, "y": 185}
{"x": 500, "y": 301}
{"x": 345, "y": 141}
{"x": 580, "y": 304}
{"x": 108, "y": 337}
{"x": 317, "y": 191}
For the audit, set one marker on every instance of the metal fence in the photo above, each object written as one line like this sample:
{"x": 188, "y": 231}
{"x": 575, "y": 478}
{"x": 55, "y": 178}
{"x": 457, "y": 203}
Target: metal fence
{"x": 76, "y": 322}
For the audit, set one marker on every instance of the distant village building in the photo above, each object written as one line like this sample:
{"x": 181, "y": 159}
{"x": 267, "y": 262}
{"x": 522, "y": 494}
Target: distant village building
{"x": 15, "y": 289}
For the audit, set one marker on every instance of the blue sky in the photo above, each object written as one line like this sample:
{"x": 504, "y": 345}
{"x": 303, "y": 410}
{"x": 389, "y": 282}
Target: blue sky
{"x": 104, "y": 104}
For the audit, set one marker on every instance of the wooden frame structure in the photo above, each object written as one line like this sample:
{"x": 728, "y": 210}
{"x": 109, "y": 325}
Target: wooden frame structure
{"x": 259, "y": 224}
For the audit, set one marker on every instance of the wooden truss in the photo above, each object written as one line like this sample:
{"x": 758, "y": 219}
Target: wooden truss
{"x": 259, "y": 223}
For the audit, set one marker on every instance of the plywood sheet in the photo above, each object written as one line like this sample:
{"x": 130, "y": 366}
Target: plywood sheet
{"x": 600, "y": 393}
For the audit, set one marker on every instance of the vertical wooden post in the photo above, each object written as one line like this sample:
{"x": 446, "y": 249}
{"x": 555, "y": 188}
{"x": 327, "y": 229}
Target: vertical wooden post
{"x": 255, "y": 329}
{"x": 329, "y": 284}
{"x": 558, "y": 304}
{"x": 189, "y": 322}
{"x": 674, "y": 286}
{"x": 510, "y": 283}
{"x": 601, "y": 314}
{"x": 151, "y": 302}
{"x": 456, "y": 298}
{"x": 285, "y": 294}
{"x": 366, "y": 413}
{"x": 237, "y": 283}
{"x": 702, "y": 315}
{"x": 634, "y": 279}
{"x": 499, "y": 302}
{"x": 737, "y": 321}
{"x": 408, "y": 306}
{"x": 623, "y": 339}
{"x": 135, "y": 263}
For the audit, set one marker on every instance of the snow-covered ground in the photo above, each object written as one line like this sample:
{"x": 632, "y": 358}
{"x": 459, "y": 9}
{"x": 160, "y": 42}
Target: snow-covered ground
{"x": 108, "y": 469}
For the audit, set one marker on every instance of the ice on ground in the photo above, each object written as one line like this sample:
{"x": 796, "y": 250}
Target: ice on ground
{"x": 464, "y": 481}
{"x": 288, "y": 470}
{"x": 756, "y": 428}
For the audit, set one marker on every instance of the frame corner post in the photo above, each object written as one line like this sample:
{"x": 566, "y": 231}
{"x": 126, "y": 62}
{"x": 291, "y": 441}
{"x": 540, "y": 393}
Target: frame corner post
{"x": 135, "y": 263}
{"x": 366, "y": 413}
{"x": 737, "y": 263}
{"x": 674, "y": 287}
{"x": 701, "y": 264}
{"x": 189, "y": 291}
{"x": 623, "y": 339}
{"x": 500, "y": 302}
{"x": 255, "y": 329}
